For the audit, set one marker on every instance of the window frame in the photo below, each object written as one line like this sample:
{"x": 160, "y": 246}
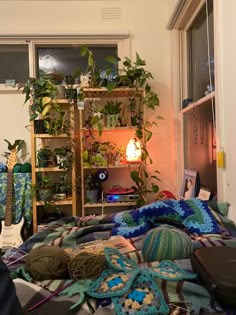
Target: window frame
{"x": 179, "y": 24}
{"x": 121, "y": 40}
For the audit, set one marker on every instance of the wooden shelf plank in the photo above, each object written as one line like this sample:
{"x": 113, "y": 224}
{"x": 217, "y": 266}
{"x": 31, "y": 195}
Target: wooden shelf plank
{"x": 200, "y": 102}
{"x": 109, "y": 204}
{"x": 48, "y": 169}
{"x": 119, "y": 92}
{"x": 47, "y": 136}
{"x": 67, "y": 201}
{"x": 132, "y": 165}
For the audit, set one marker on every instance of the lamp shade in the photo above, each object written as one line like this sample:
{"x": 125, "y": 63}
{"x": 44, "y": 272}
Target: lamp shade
{"x": 133, "y": 151}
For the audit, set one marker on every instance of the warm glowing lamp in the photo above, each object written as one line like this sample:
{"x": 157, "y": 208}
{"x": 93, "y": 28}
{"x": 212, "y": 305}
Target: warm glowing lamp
{"x": 133, "y": 151}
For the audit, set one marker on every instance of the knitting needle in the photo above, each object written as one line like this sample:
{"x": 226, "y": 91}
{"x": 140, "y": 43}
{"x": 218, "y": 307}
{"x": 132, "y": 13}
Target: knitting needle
{"x": 11, "y": 263}
{"x": 50, "y": 296}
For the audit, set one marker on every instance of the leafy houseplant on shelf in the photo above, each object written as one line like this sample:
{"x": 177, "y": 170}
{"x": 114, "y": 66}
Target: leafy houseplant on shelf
{"x": 42, "y": 92}
{"x": 45, "y": 157}
{"x": 92, "y": 187}
{"x": 112, "y": 110}
{"x": 62, "y": 188}
{"x": 43, "y": 187}
{"x": 64, "y": 157}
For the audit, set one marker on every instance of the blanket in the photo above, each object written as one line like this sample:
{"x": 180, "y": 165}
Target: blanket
{"x": 69, "y": 232}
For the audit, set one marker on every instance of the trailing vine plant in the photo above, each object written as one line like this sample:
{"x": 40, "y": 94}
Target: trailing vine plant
{"x": 134, "y": 75}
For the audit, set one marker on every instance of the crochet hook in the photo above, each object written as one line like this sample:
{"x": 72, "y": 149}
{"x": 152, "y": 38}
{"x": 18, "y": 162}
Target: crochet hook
{"x": 50, "y": 296}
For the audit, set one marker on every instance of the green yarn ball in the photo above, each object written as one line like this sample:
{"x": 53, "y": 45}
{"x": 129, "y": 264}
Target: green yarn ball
{"x": 17, "y": 168}
{"x": 165, "y": 242}
{"x": 47, "y": 262}
{"x": 26, "y": 168}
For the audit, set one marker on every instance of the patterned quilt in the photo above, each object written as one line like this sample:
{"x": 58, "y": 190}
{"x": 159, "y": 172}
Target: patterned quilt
{"x": 184, "y": 296}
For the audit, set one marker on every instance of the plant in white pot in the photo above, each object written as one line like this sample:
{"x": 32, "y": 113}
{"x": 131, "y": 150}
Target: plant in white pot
{"x": 112, "y": 110}
{"x": 92, "y": 187}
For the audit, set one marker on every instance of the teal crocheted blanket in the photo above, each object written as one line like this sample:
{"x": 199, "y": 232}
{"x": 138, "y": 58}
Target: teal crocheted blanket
{"x": 132, "y": 290}
{"x": 194, "y": 214}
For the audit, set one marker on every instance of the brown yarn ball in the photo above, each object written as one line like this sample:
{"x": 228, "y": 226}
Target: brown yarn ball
{"x": 47, "y": 262}
{"x": 87, "y": 265}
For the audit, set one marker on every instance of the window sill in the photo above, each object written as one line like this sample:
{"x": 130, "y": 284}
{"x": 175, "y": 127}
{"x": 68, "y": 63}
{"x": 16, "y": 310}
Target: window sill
{"x": 9, "y": 89}
{"x": 202, "y": 101}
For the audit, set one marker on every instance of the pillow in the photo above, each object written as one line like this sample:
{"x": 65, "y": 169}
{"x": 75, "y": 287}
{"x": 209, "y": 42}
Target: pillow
{"x": 220, "y": 207}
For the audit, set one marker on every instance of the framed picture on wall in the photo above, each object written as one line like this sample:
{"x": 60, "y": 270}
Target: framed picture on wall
{"x": 191, "y": 183}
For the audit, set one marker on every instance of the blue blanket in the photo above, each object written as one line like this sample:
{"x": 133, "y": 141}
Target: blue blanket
{"x": 194, "y": 214}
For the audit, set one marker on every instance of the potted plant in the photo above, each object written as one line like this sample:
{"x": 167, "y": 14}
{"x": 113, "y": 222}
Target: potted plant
{"x": 90, "y": 75}
{"x": 62, "y": 188}
{"x": 42, "y": 92}
{"x": 43, "y": 187}
{"x": 57, "y": 124}
{"x": 70, "y": 91}
{"x": 111, "y": 110}
{"x": 92, "y": 187}
{"x": 45, "y": 157}
{"x": 64, "y": 157}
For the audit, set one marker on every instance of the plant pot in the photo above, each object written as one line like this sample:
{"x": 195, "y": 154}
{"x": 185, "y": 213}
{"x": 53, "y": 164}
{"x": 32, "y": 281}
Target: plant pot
{"x": 39, "y": 126}
{"x": 92, "y": 196}
{"x": 45, "y": 194}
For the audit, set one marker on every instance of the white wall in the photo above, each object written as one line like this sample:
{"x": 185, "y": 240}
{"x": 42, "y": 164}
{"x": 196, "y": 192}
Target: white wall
{"x": 225, "y": 47}
{"x": 145, "y": 21}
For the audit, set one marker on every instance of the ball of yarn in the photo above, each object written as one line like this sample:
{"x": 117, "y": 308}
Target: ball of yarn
{"x": 17, "y": 168}
{"x": 26, "y": 168}
{"x": 47, "y": 262}
{"x": 87, "y": 265}
{"x": 165, "y": 242}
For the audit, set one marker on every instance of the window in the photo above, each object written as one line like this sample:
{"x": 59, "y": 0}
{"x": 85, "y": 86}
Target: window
{"x": 197, "y": 43}
{"x": 14, "y": 62}
{"x": 23, "y": 56}
{"x": 193, "y": 22}
{"x": 65, "y": 59}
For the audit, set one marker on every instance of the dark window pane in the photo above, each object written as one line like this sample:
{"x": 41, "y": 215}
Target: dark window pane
{"x": 66, "y": 59}
{"x": 14, "y": 62}
{"x": 199, "y": 144}
{"x": 198, "y": 54}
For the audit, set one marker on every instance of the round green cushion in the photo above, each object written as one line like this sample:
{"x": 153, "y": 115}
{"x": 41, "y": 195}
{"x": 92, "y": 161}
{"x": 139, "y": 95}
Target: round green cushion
{"x": 165, "y": 242}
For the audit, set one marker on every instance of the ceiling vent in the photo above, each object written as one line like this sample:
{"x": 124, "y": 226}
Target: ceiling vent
{"x": 111, "y": 13}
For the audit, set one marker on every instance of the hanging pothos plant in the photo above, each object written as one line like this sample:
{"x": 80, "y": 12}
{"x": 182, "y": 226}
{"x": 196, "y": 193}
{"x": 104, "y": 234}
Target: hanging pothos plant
{"x": 135, "y": 75}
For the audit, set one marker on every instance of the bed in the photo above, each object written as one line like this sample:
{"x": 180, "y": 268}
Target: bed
{"x": 207, "y": 223}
